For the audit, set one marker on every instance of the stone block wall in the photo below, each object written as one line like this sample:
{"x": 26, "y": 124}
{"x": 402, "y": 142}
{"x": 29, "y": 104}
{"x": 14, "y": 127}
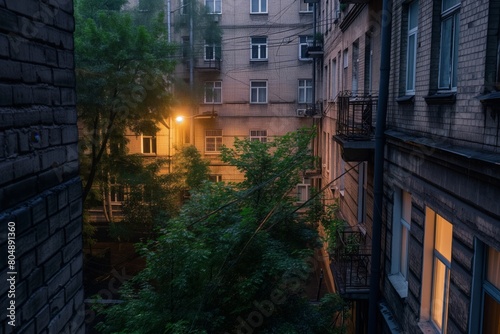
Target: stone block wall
{"x": 40, "y": 189}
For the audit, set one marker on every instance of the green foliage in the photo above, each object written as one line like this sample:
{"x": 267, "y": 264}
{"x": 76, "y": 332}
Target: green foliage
{"x": 333, "y": 225}
{"x": 121, "y": 72}
{"x": 224, "y": 254}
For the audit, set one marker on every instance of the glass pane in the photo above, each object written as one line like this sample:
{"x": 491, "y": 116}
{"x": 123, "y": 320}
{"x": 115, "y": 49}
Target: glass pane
{"x": 263, "y": 51}
{"x": 262, "y": 95}
{"x": 146, "y": 145}
{"x": 255, "y": 51}
{"x": 447, "y": 4}
{"x": 445, "y": 56}
{"x": 410, "y": 66}
{"x": 443, "y": 239}
{"x": 491, "y": 315}
{"x": 255, "y": 6}
{"x": 455, "y": 50}
{"x": 218, "y": 6}
{"x": 404, "y": 251}
{"x": 493, "y": 271}
{"x": 413, "y": 15}
{"x": 264, "y": 5}
{"x": 438, "y": 284}
{"x": 253, "y": 93}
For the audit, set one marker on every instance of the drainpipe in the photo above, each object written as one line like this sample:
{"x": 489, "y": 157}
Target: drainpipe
{"x": 315, "y": 6}
{"x": 378, "y": 182}
{"x": 191, "y": 70}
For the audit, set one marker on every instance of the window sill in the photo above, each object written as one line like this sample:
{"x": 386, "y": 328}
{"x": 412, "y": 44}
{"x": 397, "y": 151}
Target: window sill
{"x": 427, "y": 328}
{"x": 400, "y": 284}
{"x": 441, "y": 98}
{"x": 258, "y": 60}
{"x": 489, "y": 99}
{"x": 405, "y": 99}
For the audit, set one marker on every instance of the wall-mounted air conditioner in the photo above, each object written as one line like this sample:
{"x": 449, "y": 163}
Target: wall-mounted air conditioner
{"x": 301, "y": 112}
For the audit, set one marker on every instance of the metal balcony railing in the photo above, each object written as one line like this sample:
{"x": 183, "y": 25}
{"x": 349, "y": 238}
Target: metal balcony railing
{"x": 351, "y": 265}
{"x": 356, "y": 111}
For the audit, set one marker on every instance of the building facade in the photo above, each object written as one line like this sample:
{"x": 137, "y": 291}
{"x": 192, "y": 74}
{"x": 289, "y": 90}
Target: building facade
{"x": 441, "y": 219}
{"x": 442, "y": 179}
{"x": 40, "y": 189}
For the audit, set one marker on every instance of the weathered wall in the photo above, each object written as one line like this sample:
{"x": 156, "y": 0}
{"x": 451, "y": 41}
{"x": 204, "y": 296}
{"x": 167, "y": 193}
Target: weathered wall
{"x": 40, "y": 190}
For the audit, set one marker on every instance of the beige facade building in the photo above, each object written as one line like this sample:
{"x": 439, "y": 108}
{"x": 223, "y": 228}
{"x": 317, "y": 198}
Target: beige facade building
{"x": 256, "y": 83}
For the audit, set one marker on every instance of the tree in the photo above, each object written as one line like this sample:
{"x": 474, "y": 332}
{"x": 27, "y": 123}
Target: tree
{"x": 237, "y": 256}
{"x": 122, "y": 82}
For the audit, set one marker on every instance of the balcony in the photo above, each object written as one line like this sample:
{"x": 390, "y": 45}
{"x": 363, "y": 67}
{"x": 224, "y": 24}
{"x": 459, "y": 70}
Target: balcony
{"x": 202, "y": 65}
{"x": 350, "y": 264}
{"x": 355, "y": 130}
{"x": 315, "y": 48}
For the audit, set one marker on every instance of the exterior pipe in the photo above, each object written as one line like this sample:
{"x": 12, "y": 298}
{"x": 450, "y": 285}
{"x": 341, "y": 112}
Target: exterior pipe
{"x": 378, "y": 178}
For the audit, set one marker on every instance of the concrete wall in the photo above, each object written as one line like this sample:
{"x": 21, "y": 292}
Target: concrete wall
{"x": 40, "y": 190}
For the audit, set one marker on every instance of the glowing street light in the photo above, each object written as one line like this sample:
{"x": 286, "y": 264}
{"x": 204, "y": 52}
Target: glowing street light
{"x": 179, "y": 119}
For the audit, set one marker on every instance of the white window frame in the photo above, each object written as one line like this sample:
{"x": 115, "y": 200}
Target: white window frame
{"x": 213, "y": 141}
{"x": 401, "y": 226}
{"x": 432, "y": 258}
{"x": 216, "y": 88}
{"x": 214, "y": 6}
{"x": 302, "y": 192}
{"x": 258, "y": 135}
{"x": 305, "y": 90}
{"x": 153, "y": 148}
{"x": 215, "y": 177}
{"x": 334, "y": 80}
{"x": 214, "y": 49}
{"x": 355, "y": 68}
{"x": 451, "y": 13}
{"x": 411, "y": 48}
{"x": 259, "y": 47}
{"x": 306, "y": 7}
{"x": 258, "y": 89}
{"x": 345, "y": 66}
{"x": 261, "y": 8}
{"x": 304, "y": 42}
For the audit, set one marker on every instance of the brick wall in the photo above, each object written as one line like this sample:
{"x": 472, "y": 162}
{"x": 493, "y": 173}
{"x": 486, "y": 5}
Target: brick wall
{"x": 40, "y": 190}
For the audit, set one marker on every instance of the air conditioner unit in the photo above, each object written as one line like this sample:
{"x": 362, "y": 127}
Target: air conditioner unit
{"x": 301, "y": 112}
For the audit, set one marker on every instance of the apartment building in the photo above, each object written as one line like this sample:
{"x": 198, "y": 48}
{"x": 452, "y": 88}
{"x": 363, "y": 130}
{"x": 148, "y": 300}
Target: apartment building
{"x": 441, "y": 222}
{"x": 255, "y": 82}
{"x": 442, "y": 180}
{"x": 349, "y": 91}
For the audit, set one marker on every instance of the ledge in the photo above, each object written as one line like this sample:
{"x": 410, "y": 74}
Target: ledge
{"x": 405, "y": 99}
{"x": 489, "y": 99}
{"x": 441, "y": 98}
{"x": 400, "y": 284}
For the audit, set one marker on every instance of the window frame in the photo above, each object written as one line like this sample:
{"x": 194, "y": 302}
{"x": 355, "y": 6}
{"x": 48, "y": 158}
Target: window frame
{"x": 260, "y": 135}
{"x": 431, "y": 257}
{"x": 451, "y": 13}
{"x": 412, "y": 32}
{"x": 216, "y": 136}
{"x": 304, "y": 42}
{"x": 305, "y": 7}
{"x": 213, "y": 6}
{"x": 260, "y": 5}
{"x": 260, "y": 48}
{"x": 215, "y": 50}
{"x": 258, "y": 90}
{"x": 214, "y": 89}
{"x": 152, "y": 144}
{"x": 305, "y": 86}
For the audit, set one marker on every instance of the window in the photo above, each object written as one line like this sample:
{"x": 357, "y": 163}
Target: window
{"x": 305, "y": 7}
{"x": 183, "y": 7}
{"x": 213, "y": 141}
{"x": 334, "y": 87}
{"x": 258, "y": 135}
{"x": 411, "y": 49}
{"x": 212, "y": 51}
{"x": 304, "y": 42}
{"x": 258, "y": 48}
{"x": 368, "y": 63}
{"x": 401, "y": 222}
{"x": 148, "y": 144}
{"x": 258, "y": 92}
{"x": 117, "y": 191}
{"x": 448, "y": 57}
{"x": 345, "y": 63}
{"x": 355, "y": 67}
{"x": 305, "y": 91}
{"x": 362, "y": 193}
{"x": 303, "y": 191}
{"x": 215, "y": 178}
{"x": 485, "y": 301}
{"x": 258, "y": 6}
{"x": 214, "y": 6}
{"x": 436, "y": 276}
{"x": 213, "y": 92}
